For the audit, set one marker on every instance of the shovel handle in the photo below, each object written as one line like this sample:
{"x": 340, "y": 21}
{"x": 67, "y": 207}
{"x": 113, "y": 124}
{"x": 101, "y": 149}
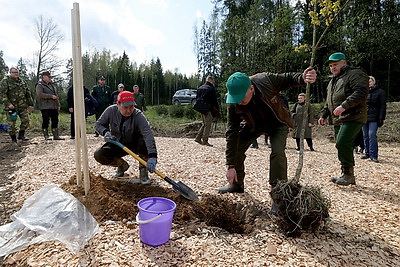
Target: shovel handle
{"x": 130, "y": 152}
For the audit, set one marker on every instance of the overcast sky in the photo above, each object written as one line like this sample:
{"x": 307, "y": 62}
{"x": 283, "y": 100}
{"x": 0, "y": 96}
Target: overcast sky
{"x": 145, "y": 29}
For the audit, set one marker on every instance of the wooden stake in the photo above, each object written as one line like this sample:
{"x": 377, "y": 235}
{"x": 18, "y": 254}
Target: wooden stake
{"x": 81, "y": 150}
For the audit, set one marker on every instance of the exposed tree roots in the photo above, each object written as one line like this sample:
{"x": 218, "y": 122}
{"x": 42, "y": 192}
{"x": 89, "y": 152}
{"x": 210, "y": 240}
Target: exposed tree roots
{"x": 301, "y": 208}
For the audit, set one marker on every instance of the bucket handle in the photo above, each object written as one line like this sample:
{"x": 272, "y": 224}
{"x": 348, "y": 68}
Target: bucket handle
{"x": 138, "y": 221}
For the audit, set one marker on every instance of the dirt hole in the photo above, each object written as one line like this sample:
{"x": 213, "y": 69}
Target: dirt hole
{"x": 117, "y": 200}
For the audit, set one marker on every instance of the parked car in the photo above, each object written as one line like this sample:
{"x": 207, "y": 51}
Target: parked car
{"x": 184, "y": 96}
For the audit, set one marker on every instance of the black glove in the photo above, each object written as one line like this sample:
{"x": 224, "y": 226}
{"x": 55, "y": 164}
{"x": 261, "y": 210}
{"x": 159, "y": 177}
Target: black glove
{"x": 380, "y": 123}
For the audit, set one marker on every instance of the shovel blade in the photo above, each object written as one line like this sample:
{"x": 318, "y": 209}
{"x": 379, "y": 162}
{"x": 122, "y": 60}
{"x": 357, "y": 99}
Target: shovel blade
{"x": 185, "y": 191}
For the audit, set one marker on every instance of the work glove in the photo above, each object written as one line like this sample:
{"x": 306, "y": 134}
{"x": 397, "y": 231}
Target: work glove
{"x": 151, "y": 165}
{"x": 380, "y": 123}
{"x": 108, "y": 136}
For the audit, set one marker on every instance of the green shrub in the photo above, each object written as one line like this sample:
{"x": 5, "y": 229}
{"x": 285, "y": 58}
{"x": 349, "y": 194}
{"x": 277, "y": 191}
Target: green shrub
{"x": 161, "y": 110}
{"x": 190, "y": 113}
{"x": 176, "y": 111}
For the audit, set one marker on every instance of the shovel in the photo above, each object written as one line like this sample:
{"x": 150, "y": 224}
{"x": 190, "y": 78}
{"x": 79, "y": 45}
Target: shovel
{"x": 179, "y": 187}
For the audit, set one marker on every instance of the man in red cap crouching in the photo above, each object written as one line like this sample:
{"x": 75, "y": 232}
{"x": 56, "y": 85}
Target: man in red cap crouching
{"x": 131, "y": 128}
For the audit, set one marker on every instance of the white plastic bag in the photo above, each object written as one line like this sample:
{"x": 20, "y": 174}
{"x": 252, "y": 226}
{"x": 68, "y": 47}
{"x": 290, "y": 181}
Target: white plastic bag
{"x": 49, "y": 214}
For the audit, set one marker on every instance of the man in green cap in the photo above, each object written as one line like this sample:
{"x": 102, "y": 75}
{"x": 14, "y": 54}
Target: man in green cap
{"x": 255, "y": 108}
{"x": 346, "y": 109}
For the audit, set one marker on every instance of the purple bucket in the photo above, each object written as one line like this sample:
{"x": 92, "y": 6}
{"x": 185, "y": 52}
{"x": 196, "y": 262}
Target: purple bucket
{"x": 156, "y": 231}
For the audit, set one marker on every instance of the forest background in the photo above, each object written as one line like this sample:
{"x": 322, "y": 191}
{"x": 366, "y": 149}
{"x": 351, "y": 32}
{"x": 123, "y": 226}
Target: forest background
{"x": 250, "y": 36}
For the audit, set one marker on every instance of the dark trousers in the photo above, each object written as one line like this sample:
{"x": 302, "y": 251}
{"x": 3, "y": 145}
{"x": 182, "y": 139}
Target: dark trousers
{"x": 345, "y": 135}
{"x": 308, "y": 140}
{"x": 47, "y": 115}
{"x": 278, "y": 160}
{"x": 108, "y": 153}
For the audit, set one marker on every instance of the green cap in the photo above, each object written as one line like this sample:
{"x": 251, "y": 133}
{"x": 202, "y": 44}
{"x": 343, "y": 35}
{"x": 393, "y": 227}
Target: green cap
{"x": 237, "y": 84}
{"x": 336, "y": 57}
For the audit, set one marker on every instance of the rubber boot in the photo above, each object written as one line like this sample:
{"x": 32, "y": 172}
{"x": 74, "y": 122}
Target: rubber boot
{"x": 13, "y": 138}
{"x": 21, "y": 136}
{"x": 121, "y": 165}
{"x": 348, "y": 177}
{"x": 143, "y": 175}
{"x": 334, "y": 179}
{"x": 46, "y": 134}
{"x": 56, "y": 136}
{"x": 237, "y": 187}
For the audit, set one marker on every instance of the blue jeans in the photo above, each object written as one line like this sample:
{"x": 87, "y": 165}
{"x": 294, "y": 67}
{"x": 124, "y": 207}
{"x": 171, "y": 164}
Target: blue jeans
{"x": 370, "y": 139}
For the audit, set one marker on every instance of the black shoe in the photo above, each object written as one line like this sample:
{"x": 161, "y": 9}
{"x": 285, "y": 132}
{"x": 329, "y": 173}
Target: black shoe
{"x": 228, "y": 189}
{"x": 198, "y": 141}
{"x": 72, "y": 137}
{"x": 364, "y": 157}
{"x": 312, "y": 149}
{"x": 207, "y": 144}
{"x": 375, "y": 160}
{"x": 96, "y": 134}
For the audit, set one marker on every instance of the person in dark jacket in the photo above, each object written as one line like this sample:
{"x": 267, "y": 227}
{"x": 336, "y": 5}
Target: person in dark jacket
{"x": 208, "y": 94}
{"x": 49, "y": 105}
{"x": 256, "y": 101}
{"x": 297, "y": 114}
{"x": 102, "y": 93}
{"x": 90, "y": 106}
{"x": 129, "y": 126}
{"x": 115, "y": 94}
{"x": 139, "y": 99}
{"x": 346, "y": 108}
{"x": 376, "y": 113}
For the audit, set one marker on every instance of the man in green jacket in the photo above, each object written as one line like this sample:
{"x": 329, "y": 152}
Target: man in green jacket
{"x": 346, "y": 108}
{"x": 255, "y": 107}
{"x": 102, "y": 93}
{"x": 17, "y": 101}
{"x": 139, "y": 99}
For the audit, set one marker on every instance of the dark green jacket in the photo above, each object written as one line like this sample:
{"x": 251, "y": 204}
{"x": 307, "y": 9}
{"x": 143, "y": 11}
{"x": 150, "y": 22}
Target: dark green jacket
{"x": 103, "y": 95}
{"x": 349, "y": 89}
{"x": 15, "y": 92}
{"x": 267, "y": 87}
{"x": 140, "y": 103}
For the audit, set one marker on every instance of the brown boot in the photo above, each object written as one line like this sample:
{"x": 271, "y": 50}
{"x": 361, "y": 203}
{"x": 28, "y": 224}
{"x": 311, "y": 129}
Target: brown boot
{"x": 121, "y": 165}
{"x": 347, "y": 178}
{"x": 237, "y": 187}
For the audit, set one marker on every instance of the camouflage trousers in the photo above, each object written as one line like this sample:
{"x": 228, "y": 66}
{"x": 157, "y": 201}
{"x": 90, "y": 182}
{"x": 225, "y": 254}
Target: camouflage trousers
{"x": 23, "y": 116}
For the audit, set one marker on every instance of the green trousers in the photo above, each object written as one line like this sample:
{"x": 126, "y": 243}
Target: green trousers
{"x": 345, "y": 134}
{"x": 278, "y": 160}
{"x": 23, "y": 116}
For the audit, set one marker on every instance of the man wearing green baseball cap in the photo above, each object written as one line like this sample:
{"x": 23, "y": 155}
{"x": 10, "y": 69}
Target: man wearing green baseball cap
{"x": 346, "y": 109}
{"x": 256, "y": 108}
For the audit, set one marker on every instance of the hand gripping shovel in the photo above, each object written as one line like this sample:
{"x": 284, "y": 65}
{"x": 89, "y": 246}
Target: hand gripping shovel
{"x": 179, "y": 187}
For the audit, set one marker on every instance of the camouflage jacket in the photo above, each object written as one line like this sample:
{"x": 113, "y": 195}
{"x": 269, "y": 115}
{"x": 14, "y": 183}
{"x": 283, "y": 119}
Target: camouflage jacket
{"x": 15, "y": 92}
{"x": 140, "y": 104}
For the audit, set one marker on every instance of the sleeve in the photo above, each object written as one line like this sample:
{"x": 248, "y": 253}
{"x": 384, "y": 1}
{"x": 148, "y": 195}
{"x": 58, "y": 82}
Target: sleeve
{"x": 232, "y": 134}
{"x": 358, "y": 83}
{"x": 382, "y": 106}
{"x": 102, "y": 124}
{"x": 147, "y": 134}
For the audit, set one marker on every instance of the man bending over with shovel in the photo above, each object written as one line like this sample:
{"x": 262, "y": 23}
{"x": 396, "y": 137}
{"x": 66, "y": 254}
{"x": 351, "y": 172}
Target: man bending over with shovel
{"x": 257, "y": 101}
{"x": 122, "y": 122}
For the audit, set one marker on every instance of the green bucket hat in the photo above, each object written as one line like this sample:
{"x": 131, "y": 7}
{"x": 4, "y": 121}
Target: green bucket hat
{"x": 336, "y": 57}
{"x": 237, "y": 84}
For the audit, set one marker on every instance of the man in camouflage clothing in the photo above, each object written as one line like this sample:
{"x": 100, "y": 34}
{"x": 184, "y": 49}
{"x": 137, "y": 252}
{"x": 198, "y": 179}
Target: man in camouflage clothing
{"x": 17, "y": 100}
{"x": 139, "y": 99}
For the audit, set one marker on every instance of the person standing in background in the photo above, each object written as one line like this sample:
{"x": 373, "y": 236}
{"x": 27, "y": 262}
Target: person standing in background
{"x": 17, "y": 101}
{"x": 114, "y": 94}
{"x": 49, "y": 105}
{"x": 139, "y": 99}
{"x": 297, "y": 114}
{"x": 376, "y": 114}
{"x": 102, "y": 94}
